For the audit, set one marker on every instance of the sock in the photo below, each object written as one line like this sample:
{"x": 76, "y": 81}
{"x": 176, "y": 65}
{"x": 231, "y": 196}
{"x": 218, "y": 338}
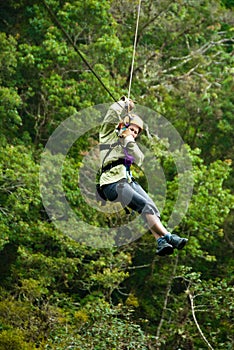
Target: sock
{"x": 167, "y": 235}
{"x": 160, "y": 239}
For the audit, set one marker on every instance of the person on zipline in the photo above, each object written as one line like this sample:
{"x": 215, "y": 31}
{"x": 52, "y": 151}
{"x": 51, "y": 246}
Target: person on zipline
{"x": 118, "y": 149}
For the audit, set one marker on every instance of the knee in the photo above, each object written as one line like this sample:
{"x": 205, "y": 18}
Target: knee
{"x": 110, "y": 192}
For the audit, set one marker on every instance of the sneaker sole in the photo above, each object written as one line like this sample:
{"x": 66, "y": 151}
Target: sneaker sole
{"x": 165, "y": 251}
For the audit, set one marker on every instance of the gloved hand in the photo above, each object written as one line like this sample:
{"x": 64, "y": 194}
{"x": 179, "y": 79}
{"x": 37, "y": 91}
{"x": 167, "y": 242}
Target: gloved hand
{"x": 129, "y": 104}
{"x": 127, "y": 134}
{"x": 126, "y": 137}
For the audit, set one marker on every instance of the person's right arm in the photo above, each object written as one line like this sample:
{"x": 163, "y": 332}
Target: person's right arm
{"x": 113, "y": 114}
{"x": 112, "y": 119}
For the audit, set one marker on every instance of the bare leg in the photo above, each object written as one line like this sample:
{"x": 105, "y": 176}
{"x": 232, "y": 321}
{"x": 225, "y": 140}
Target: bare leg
{"x": 166, "y": 241}
{"x": 155, "y": 226}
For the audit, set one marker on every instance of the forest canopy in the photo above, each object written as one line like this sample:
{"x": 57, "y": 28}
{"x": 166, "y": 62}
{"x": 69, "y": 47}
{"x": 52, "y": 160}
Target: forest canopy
{"x": 57, "y": 292}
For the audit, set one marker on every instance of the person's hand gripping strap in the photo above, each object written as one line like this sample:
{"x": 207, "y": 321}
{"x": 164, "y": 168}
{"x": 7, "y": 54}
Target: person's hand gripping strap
{"x": 129, "y": 104}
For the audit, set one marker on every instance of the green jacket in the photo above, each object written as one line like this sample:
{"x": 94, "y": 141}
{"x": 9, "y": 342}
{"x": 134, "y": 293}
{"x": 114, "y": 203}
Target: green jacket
{"x": 108, "y": 136}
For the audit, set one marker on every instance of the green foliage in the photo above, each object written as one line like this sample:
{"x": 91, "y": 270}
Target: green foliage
{"x": 8, "y": 59}
{"x": 57, "y": 293}
{"x": 14, "y": 340}
{"x": 228, "y": 3}
{"x": 101, "y": 326}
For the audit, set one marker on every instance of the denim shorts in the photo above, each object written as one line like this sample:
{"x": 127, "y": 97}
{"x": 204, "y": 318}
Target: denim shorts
{"x": 130, "y": 195}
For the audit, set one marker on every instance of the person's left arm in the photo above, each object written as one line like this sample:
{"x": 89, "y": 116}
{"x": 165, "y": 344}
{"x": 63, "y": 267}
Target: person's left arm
{"x": 132, "y": 149}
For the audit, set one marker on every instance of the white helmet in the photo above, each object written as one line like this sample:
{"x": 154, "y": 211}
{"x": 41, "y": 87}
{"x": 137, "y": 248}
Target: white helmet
{"x": 134, "y": 119}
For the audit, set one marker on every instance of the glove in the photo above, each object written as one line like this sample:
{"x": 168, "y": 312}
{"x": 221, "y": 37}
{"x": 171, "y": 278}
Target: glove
{"x": 129, "y": 104}
{"x": 126, "y": 133}
{"x": 126, "y": 137}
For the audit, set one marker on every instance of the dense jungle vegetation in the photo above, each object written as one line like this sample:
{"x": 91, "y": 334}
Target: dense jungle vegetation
{"x": 59, "y": 293}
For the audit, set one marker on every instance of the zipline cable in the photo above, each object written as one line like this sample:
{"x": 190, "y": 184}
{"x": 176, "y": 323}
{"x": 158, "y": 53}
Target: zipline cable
{"x": 134, "y": 48}
{"x": 54, "y": 18}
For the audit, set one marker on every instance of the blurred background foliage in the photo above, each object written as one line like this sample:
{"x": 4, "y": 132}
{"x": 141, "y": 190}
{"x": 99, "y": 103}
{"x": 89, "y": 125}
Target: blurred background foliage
{"x": 57, "y": 293}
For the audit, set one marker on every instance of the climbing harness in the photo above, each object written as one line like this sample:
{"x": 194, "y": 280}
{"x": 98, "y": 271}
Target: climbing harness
{"x": 100, "y": 196}
{"x": 126, "y": 161}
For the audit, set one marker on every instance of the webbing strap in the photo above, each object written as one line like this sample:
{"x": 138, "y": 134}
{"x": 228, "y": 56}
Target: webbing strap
{"x": 113, "y": 164}
{"x": 105, "y": 146}
{"x": 109, "y": 147}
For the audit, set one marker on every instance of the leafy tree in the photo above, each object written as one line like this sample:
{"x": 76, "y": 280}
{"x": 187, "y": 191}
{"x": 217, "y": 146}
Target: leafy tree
{"x": 56, "y": 292}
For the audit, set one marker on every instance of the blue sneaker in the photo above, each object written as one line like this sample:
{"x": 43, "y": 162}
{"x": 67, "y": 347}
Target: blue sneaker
{"x": 176, "y": 241}
{"x": 164, "y": 248}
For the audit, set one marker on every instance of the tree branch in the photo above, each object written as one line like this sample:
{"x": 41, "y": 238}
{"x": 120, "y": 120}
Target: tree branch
{"x": 138, "y": 267}
{"x": 191, "y": 298}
